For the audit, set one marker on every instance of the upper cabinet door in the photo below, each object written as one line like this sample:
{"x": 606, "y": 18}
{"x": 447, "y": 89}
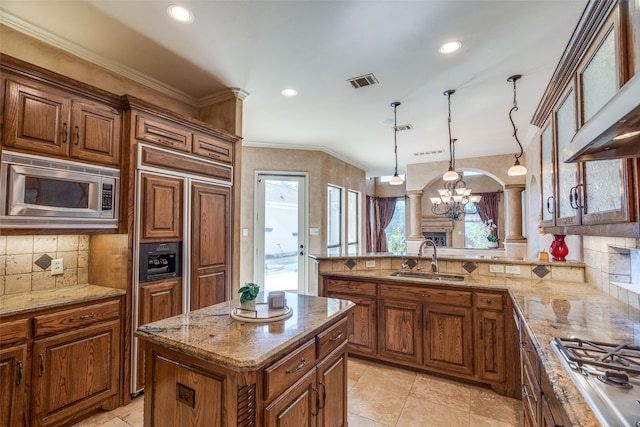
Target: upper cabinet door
{"x": 160, "y": 208}
{"x": 606, "y": 192}
{"x": 36, "y": 118}
{"x": 95, "y": 133}
{"x": 548, "y": 177}
{"x": 568, "y": 178}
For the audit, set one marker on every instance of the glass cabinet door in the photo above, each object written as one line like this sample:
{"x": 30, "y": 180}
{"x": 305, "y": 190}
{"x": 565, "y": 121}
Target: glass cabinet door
{"x": 567, "y": 209}
{"x": 605, "y": 189}
{"x": 547, "y": 177}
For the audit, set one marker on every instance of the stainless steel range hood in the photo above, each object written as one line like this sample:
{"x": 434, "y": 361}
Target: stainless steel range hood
{"x": 613, "y": 132}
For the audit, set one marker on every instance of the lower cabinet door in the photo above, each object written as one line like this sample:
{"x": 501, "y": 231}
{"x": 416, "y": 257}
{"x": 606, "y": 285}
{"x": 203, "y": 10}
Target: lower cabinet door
{"x": 13, "y": 390}
{"x": 362, "y": 335}
{"x": 297, "y": 406}
{"x": 449, "y": 339}
{"x": 74, "y": 372}
{"x": 400, "y": 330}
{"x": 332, "y": 389}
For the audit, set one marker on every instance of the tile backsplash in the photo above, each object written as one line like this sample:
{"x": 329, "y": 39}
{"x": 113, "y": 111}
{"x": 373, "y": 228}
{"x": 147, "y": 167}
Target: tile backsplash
{"x": 20, "y": 273}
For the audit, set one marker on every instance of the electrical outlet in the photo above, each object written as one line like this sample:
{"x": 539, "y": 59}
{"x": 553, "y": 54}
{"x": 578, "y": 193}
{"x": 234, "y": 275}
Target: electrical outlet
{"x": 56, "y": 266}
{"x": 513, "y": 269}
{"x": 369, "y": 263}
{"x": 496, "y": 268}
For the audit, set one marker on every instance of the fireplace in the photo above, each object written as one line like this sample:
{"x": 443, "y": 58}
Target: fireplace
{"x": 439, "y": 237}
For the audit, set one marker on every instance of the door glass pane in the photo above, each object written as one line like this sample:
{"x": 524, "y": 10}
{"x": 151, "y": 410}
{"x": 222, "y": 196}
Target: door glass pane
{"x": 603, "y": 182}
{"x": 547, "y": 175}
{"x": 334, "y": 220}
{"x": 353, "y": 221}
{"x": 599, "y": 81}
{"x": 281, "y": 235}
{"x": 567, "y": 172}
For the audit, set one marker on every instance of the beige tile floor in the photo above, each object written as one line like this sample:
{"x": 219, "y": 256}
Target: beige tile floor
{"x": 382, "y": 396}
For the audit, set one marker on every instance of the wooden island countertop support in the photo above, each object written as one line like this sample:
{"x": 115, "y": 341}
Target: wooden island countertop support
{"x": 206, "y": 368}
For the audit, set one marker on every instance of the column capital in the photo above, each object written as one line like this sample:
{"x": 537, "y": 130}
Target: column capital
{"x": 520, "y": 187}
{"x": 415, "y": 193}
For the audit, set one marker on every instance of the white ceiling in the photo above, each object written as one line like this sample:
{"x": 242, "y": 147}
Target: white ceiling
{"x": 314, "y": 46}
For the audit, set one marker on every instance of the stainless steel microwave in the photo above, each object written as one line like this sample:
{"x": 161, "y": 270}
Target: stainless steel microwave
{"x": 41, "y": 192}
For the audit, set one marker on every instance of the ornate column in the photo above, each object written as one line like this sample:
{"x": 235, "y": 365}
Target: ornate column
{"x": 415, "y": 214}
{"x": 513, "y": 213}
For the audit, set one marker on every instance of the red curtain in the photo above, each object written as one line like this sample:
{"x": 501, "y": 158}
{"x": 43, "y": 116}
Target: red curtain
{"x": 488, "y": 207}
{"x": 379, "y": 214}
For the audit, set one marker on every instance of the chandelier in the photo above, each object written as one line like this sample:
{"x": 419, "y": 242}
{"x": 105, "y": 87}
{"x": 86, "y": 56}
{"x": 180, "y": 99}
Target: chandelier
{"x": 453, "y": 200}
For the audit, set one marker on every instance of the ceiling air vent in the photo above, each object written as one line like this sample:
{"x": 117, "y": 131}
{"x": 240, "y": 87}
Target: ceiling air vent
{"x": 428, "y": 153}
{"x": 404, "y": 127}
{"x": 362, "y": 81}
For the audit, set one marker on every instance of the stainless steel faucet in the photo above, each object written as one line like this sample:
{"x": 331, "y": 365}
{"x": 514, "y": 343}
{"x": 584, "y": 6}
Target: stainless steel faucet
{"x": 434, "y": 257}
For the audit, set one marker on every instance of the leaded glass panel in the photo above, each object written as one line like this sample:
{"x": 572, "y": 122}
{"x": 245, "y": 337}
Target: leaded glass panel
{"x": 599, "y": 81}
{"x": 547, "y": 175}
{"x": 603, "y": 181}
{"x": 567, "y": 172}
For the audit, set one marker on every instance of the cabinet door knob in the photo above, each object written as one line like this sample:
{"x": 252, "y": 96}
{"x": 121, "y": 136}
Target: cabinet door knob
{"x": 77, "y": 135}
{"x": 524, "y": 391}
{"x": 41, "y": 359}
{"x": 337, "y": 337}
{"x": 324, "y": 395}
{"x": 20, "y": 372}
{"x": 65, "y": 132}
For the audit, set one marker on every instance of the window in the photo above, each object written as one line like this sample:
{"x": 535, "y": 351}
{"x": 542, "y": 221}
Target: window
{"x": 334, "y": 221}
{"x": 395, "y": 231}
{"x": 475, "y": 235}
{"x": 353, "y": 221}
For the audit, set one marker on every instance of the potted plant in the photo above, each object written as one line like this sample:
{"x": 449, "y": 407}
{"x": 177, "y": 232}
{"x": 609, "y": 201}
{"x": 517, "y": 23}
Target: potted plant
{"x": 248, "y": 294}
{"x": 490, "y": 228}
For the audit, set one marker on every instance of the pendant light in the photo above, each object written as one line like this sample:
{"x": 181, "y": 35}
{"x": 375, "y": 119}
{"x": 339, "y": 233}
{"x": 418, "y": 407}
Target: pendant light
{"x": 517, "y": 168}
{"x": 451, "y": 174}
{"x": 395, "y": 179}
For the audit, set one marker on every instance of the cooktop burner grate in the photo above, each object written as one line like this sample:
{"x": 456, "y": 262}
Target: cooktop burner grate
{"x": 620, "y": 357}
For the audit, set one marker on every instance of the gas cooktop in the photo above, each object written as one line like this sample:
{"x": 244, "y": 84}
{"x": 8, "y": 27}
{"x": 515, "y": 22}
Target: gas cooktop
{"x": 607, "y": 375}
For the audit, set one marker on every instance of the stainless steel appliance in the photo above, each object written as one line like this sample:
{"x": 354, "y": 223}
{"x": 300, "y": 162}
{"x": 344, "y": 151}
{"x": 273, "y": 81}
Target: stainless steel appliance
{"x": 160, "y": 261}
{"x": 40, "y": 192}
{"x": 607, "y": 375}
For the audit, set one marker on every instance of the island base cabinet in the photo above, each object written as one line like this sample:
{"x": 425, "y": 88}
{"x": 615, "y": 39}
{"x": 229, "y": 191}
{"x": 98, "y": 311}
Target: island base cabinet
{"x": 184, "y": 396}
{"x": 362, "y": 334}
{"x": 332, "y": 390}
{"x": 74, "y": 372}
{"x": 296, "y": 407}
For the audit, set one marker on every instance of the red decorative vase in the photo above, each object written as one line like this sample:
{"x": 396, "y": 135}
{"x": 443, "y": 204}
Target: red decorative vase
{"x": 559, "y": 248}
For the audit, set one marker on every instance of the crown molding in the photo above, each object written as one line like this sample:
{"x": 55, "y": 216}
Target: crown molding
{"x": 65, "y": 45}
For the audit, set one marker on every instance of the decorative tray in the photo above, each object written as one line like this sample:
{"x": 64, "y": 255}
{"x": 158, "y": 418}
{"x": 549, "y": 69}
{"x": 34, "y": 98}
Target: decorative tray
{"x": 262, "y": 314}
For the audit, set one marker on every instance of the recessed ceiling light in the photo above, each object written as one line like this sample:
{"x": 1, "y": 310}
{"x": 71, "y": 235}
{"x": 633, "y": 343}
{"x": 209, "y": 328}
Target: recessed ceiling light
{"x": 180, "y": 14}
{"x": 289, "y": 92}
{"x": 450, "y": 47}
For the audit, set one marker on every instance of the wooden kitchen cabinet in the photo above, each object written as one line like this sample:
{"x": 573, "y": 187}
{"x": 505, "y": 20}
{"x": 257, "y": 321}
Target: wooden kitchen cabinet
{"x": 59, "y": 365}
{"x": 363, "y": 329}
{"x": 400, "y": 336}
{"x": 457, "y": 331}
{"x": 14, "y": 374}
{"x": 490, "y": 335}
{"x": 210, "y": 244}
{"x": 297, "y": 407}
{"x": 158, "y": 300}
{"x": 42, "y": 119}
{"x": 160, "y": 208}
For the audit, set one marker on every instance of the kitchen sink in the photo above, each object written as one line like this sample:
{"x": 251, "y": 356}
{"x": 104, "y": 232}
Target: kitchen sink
{"x": 428, "y": 276}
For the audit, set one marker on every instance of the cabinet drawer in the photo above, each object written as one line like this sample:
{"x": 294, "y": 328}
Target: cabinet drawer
{"x": 213, "y": 149}
{"x": 14, "y": 331}
{"x": 289, "y": 369}
{"x": 330, "y": 339}
{"x": 75, "y": 318}
{"x": 162, "y": 133}
{"x": 426, "y": 294}
{"x": 351, "y": 287}
{"x": 489, "y": 301}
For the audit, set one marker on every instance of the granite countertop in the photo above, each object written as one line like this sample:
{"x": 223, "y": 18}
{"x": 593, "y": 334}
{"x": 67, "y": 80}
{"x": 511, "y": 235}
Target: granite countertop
{"x": 553, "y": 309}
{"x": 30, "y": 302}
{"x": 446, "y": 257}
{"x": 210, "y": 333}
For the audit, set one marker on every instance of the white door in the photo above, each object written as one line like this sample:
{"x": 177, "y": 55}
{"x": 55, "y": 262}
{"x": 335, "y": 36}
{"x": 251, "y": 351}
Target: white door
{"x": 280, "y": 239}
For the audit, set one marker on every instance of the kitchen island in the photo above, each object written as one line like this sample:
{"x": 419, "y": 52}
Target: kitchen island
{"x": 205, "y": 368}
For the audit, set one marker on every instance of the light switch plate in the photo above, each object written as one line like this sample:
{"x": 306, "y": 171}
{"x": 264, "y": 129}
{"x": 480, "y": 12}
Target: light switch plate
{"x": 513, "y": 269}
{"x": 496, "y": 268}
{"x": 57, "y": 266}
{"x": 370, "y": 263}
{"x": 314, "y": 231}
